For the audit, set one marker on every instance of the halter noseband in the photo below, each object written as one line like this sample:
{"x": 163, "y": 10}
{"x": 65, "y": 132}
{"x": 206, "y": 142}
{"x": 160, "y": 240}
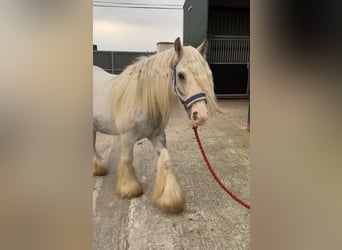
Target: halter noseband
{"x": 191, "y": 100}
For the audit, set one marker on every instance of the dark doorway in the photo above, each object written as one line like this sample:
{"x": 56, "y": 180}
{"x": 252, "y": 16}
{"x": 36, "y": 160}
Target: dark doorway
{"x": 231, "y": 80}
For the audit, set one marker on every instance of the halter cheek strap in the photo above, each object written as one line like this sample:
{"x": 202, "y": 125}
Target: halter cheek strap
{"x": 191, "y": 100}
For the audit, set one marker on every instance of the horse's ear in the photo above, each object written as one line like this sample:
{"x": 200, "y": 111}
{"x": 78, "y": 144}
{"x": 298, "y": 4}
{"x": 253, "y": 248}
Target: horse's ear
{"x": 178, "y": 47}
{"x": 203, "y": 48}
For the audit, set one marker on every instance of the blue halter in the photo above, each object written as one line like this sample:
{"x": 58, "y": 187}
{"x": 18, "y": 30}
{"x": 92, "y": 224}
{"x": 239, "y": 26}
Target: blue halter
{"x": 191, "y": 100}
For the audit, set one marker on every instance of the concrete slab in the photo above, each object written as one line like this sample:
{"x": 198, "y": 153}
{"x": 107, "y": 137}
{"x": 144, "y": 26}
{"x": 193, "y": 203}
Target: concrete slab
{"x": 211, "y": 219}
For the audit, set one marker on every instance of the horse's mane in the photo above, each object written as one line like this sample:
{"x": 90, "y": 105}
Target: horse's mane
{"x": 147, "y": 84}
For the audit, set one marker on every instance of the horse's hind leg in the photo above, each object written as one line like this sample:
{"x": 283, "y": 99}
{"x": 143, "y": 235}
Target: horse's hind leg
{"x": 127, "y": 184}
{"x": 167, "y": 193}
{"x": 99, "y": 168}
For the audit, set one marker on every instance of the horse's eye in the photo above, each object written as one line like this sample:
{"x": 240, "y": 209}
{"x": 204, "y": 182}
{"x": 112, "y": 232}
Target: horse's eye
{"x": 181, "y": 76}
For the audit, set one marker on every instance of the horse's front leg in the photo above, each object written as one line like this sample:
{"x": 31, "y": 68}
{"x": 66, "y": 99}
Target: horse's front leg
{"x": 127, "y": 184}
{"x": 167, "y": 193}
{"x": 99, "y": 168}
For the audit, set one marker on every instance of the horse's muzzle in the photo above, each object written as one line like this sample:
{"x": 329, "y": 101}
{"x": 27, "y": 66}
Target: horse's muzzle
{"x": 199, "y": 113}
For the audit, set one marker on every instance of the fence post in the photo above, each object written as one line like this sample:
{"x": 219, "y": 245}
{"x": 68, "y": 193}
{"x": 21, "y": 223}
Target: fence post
{"x": 249, "y": 99}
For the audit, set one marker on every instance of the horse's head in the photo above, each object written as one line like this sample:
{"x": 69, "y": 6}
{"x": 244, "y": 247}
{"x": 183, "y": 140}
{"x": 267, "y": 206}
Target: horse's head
{"x": 193, "y": 82}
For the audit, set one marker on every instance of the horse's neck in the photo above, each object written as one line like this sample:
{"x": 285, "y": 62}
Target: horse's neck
{"x": 162, "y": 62}
{"x": 156, "y": 86}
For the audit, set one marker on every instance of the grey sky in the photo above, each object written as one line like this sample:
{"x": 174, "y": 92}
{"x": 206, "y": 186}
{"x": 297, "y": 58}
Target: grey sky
{"x": 128, "y": 29}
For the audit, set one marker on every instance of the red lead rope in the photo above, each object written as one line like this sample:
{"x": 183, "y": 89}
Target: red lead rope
{"x": 214, "y": 175}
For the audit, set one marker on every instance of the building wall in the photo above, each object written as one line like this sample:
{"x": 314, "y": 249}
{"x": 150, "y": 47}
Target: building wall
{"x": 228, "y": 21}
{"x": 162, "y": 46}
{"x": 115, "y": 62}
{"x": 225, "y": 23}
{"x": 195, "y": 22}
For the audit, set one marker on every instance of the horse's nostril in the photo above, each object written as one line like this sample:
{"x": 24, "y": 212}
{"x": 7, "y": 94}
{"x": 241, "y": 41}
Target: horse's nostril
{"x": 194, "y": 115}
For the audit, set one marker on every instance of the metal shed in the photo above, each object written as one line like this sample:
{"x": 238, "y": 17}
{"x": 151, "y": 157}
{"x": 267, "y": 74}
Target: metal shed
{"x": 115, "y": 62}
{"x": 225, "y": 23}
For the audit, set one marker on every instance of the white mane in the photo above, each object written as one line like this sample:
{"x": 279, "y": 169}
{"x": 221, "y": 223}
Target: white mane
{"x": 147, "y": 84}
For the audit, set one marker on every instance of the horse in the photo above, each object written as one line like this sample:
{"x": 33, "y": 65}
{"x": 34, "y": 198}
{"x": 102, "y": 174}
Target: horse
{"x": 137, "y": 104}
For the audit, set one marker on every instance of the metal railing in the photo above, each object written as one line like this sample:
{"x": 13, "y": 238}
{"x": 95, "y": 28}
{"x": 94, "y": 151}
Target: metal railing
{"x": 228, "y": 50}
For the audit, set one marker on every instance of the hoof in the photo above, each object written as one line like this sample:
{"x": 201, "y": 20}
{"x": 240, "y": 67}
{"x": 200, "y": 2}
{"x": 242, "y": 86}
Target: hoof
{"x": 127, "y": 185}
{"x": 170, "y": 197}
{"x": 129, "y": 190}
{"x": 98, "y": 168}
{"x": 175, "y": 205}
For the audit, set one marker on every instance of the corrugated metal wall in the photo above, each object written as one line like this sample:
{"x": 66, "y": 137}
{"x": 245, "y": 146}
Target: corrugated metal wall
{"x": 226, "y": 25}
{"x": 195, "y": 22}
{"x": 228, "y": 54}
{"x": 228, "y": 22}
{"x": 115, "y": 62}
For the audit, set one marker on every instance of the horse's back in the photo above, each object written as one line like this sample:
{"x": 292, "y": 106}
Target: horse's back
{"x": 103, "y": 118}
{"x": 100, "y": 74}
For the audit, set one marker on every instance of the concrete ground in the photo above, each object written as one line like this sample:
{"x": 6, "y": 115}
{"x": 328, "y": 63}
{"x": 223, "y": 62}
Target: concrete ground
{"x": 211, "y": 219}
